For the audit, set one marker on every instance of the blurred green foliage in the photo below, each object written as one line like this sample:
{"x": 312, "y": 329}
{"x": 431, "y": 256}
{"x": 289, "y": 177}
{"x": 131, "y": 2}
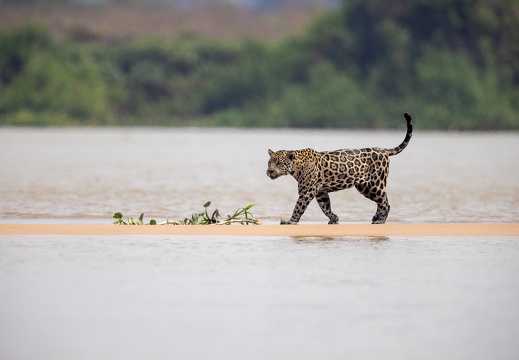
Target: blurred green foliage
{"x": 46, "y": 83}
{"x": 454, "y": 64}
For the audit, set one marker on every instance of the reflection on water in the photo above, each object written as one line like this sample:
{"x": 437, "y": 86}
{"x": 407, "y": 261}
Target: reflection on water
{"x": 165, "y": 297}
{"x": 86, "y": 175}
{"x": 324, "y": 239}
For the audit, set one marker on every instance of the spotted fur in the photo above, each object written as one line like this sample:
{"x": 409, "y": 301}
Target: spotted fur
{"x": 319, "y": 173}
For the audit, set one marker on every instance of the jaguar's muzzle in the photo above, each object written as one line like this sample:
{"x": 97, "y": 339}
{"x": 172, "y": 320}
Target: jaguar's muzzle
{"x": 273, "y": 174}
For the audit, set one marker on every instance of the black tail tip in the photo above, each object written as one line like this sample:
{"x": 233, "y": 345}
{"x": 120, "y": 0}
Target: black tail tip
{"x": 407, "y": 117}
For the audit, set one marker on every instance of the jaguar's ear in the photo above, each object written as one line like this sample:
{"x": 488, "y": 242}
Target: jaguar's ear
{"x": 290, "y": 156}
{"x": 271, "y": 152}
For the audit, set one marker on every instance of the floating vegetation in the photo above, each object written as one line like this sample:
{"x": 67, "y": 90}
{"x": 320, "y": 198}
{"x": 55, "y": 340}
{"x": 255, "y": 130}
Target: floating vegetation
{"x": 132, "y": 221}
{"x": 241, "y": 216}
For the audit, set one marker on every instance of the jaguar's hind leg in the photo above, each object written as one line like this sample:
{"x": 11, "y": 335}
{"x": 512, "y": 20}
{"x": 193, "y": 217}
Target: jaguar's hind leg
{"x": 382, "y": 211}
{"x": 324, "y": 203}
{"x": 380, "y": 197}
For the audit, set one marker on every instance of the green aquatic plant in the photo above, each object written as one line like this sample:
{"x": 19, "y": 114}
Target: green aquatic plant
{"x": 241, "y": 216}
{"x": 131, "y": 221}
{"x": 201, "y": 218}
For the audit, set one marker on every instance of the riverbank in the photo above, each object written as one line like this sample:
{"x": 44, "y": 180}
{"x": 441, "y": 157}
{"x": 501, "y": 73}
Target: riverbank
{"x": 267, "y": 230}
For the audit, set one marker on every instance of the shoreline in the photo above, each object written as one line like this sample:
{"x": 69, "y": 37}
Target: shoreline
{"x": 342, "y": 230}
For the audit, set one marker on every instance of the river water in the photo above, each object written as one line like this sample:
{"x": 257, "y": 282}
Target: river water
{"x": 86, "y": 175}
{"x": 170, "y": 297}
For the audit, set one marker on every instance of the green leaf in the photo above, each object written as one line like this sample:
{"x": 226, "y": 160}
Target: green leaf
{"x": 141, "y": 218}
{"x": 153, "y": 222}
{"x": 206, "y": 205}
{"x": 248, "y": 207}
{"x": 118, "y": 215}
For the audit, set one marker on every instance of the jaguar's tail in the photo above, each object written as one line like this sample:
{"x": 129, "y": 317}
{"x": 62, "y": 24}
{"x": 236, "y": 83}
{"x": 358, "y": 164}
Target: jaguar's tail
{"x": 403, "y": 145}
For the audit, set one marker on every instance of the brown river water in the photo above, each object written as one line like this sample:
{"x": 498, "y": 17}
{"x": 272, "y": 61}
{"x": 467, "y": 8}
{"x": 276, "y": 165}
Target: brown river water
{"x": 172, "y": 297}
{"x": 86, "y": 175}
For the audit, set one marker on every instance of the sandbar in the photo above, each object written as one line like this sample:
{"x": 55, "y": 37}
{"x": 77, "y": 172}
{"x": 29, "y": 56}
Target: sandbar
{"x": 302, "y": 230}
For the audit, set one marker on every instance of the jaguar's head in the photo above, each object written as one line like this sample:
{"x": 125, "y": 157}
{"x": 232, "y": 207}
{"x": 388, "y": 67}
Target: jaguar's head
{"x": 280, "y": 163}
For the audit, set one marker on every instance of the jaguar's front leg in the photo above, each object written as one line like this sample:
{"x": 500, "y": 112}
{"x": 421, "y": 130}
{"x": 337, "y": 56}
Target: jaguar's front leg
{"x": 299, "y": 209}
{"x": 324, "y": 203}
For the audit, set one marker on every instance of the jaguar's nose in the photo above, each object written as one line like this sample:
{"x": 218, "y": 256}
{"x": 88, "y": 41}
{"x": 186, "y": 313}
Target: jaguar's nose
{"x": 271, "y": 174}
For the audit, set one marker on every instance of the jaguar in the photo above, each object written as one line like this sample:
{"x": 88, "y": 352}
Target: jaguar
{"x": 320, "y": 173}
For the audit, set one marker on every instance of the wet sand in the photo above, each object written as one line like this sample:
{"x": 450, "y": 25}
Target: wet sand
{"x": 267, "y": 230}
